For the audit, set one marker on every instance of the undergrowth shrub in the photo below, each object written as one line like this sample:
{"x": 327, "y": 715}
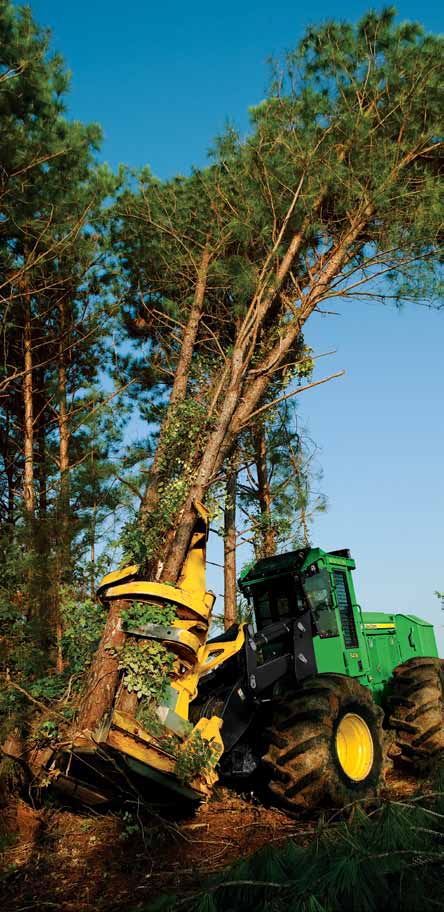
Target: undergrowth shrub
{"x": 24, "y": 663}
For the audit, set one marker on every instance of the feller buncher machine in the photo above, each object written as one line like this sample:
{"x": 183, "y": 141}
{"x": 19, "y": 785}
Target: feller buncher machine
{"x": 307, "y": 696}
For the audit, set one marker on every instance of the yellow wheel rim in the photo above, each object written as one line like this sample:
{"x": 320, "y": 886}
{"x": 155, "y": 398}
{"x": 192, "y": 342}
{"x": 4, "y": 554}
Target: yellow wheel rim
{"x": 354, "y": 747}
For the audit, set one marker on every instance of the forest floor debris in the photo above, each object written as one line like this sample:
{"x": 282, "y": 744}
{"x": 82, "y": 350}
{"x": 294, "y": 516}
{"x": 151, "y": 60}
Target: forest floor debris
{"x": 79, "y": 861}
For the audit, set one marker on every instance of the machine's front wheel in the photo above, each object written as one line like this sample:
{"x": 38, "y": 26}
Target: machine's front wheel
{"x": 326, "y": 744}
{"x": 416, "y": 710}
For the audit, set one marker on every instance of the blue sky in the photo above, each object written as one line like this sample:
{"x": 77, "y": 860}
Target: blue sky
{"x": 162, "y": 80}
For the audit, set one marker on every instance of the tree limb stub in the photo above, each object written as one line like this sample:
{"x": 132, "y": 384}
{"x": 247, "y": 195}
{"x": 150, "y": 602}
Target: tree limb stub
{"x": 300, "y": 389}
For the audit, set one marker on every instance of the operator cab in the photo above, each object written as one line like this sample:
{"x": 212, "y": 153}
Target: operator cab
{"x": 316, "y": 584}
{"x": 281, "y": 589}
{"x": 276, "y": 599}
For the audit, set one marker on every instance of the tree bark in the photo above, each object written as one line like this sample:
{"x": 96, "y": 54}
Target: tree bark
{"x": 43, "y": 583}
{"x": 93, "y": 551}
{"x": 32, "y": 603}
{"x": 268, "y": 533}
{"x": 230, "y": 603}
{"x": 104, "y": 674}
{"x": 28, "y": 405}
{"x": 41, "y": 473}
{"x": 181, "y": 376}
{"x": 10, "y": 509}
{"x": 64, "y": 436}
{"x": 302, "y": 490}
{"x": 63, "y": 558}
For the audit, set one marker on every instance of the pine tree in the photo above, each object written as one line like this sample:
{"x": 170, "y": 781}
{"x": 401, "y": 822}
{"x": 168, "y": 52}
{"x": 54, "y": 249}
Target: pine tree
{"x": 335, "y": 189}
{"x": 278, "y": 486}
{"x": 56, "y": 310}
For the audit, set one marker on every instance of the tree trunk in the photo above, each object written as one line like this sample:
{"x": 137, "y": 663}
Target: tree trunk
{"x": 181, "y": 376}
{"x": 267, "y": 546}
{"x": 63, "y": 558}
{"x": 104, "y": 673}
{"x": 302, "y": 498}
{"x": 230, "y": 604}
{"x": 64, "y": 435}
{"x": 32, "y": 603}
{"x": 28, "y": 405}
{"x": 242, "y": 395}
{"x": 93, "y": 552}
{"x": 41, "y": 473}
{"x": 43, "y": 583}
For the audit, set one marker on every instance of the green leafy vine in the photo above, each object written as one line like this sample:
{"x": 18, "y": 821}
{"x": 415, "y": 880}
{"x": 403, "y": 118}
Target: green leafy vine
{"x": 141, "y": 613}
{"x": 181, "y": 447}
{"x": 147, "y": 668}
{"x": 196, "y": 758}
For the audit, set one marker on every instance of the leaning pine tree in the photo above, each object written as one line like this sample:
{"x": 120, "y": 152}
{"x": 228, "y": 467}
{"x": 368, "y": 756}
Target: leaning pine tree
{"x": 336, "y": 192}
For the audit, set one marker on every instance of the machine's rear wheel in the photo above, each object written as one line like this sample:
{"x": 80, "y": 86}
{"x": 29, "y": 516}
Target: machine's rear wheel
{"x": 416, "y": 709}
{"x": 326, "y": 744}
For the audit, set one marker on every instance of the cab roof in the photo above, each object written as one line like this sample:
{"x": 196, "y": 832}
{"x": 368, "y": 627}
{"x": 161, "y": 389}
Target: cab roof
{"x": 290, "y": 563}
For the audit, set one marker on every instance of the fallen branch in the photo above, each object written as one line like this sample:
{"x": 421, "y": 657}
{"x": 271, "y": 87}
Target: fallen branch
{"x": 29, "y": 696}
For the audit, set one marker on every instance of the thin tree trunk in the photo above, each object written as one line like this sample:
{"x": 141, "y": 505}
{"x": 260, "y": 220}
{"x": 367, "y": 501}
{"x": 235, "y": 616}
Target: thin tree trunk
{"x": 63, "y": 513}
{"x": 93, "y": 552}
{"x": 303, "y": 512}
{"x": 32, "y": 604}
{"x": 43, "y": 585}
{"x": 302, "y": 492}
{"x": 64, "y": 436}
{"x": 230, "y": 605}
{"x": 268, "y": 533}
{"x": 179, "y": 389}
{"x": 41, "y": 474}
{"x": 28, "y": 404}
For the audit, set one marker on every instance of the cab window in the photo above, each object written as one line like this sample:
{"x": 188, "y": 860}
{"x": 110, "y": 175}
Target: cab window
{"x": 276, "y": 600}
{"x": 317, "y": 588}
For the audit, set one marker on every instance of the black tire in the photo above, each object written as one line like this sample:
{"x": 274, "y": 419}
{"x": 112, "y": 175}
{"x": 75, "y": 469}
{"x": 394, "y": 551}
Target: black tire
{"x": 416, "y": 710}
{"x": 302, "y": 758}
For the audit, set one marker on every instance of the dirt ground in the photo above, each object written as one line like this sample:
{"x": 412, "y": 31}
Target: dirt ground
{"x": 79, "y": 861}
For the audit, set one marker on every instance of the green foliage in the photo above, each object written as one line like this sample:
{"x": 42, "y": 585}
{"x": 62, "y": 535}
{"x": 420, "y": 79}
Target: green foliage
{"x": 83, "y": 622}
{"x": 48, "y": 731}
{"x": 141, "y": 613}
{"x": 147, "y": 716}
{"x": 131, "y": 826}
{"x": 192, "y": 759}
{"x": 195, "y": 758}
{"x": 277, "y": 493}
{"x": 31, "y": 667}
{"x": 49, "y": 688}
{"x": 184, "y": 438}
{"x": 147, "y": 668}
{"x": 390, "y": 859}
{"x": 338, "y": 178}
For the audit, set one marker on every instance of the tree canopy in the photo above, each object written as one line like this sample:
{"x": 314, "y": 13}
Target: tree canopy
{"x": 335, "y": 192}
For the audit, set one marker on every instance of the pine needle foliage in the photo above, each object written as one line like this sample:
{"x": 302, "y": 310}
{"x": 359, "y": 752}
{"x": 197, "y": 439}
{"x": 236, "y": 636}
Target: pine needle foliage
{"x": 335, "y": 192}
{"x": 386, "y": 859}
